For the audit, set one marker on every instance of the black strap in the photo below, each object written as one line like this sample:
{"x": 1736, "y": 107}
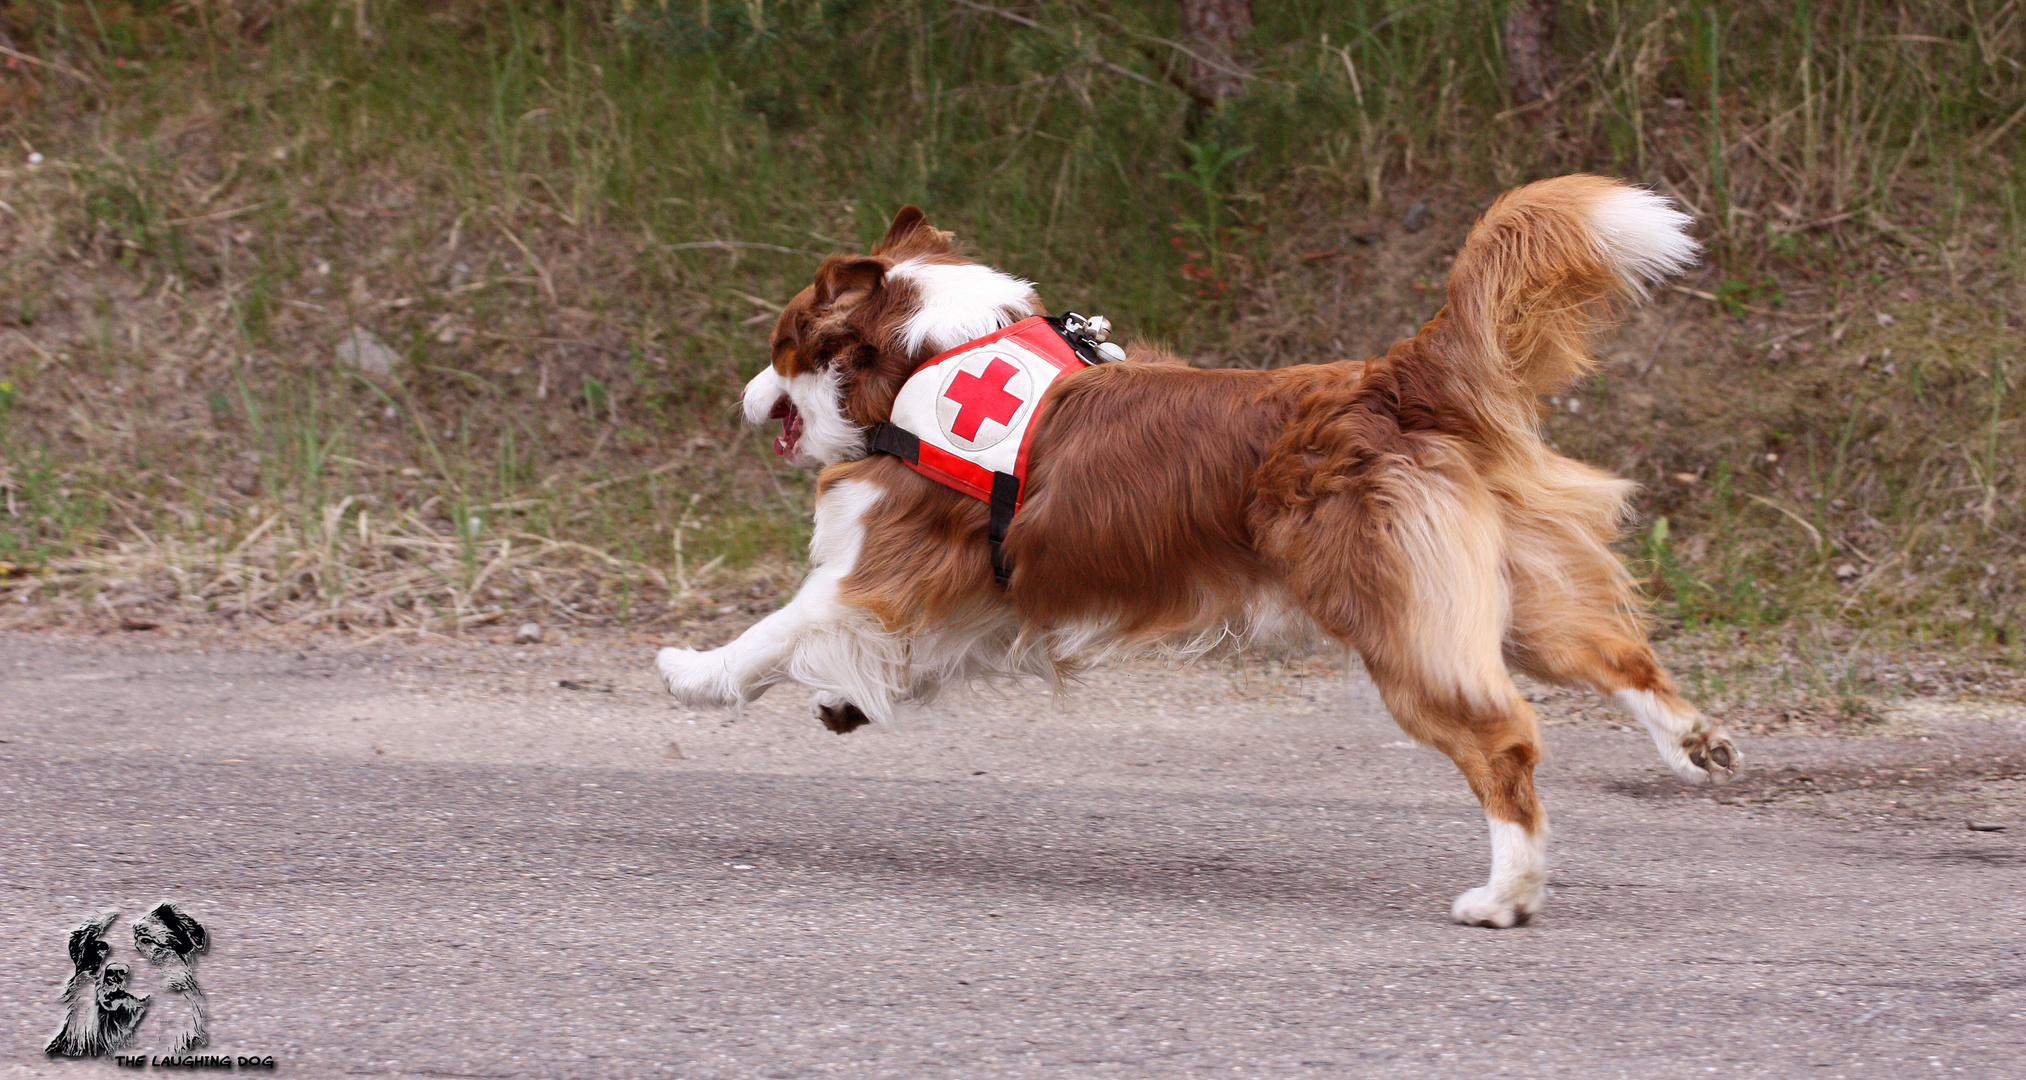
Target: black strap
{"x": 1005, "y": 496}
{"x": 900, "y": 442}
{"x": 905, "y": 445}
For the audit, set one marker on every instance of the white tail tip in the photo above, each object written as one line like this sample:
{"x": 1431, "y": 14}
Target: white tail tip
{"x": 1642, "y": 235}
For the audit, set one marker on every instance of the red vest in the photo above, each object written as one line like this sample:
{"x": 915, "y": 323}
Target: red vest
{"x": 965, "y": 418}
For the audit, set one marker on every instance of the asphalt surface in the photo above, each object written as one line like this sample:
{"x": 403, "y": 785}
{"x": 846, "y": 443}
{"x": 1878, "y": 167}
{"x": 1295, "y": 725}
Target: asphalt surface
{"x": 438, "y": 862}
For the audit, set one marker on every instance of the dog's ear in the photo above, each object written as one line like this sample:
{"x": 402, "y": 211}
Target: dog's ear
{"x": 911, "y": 233}
{"x": 844, "y": 278}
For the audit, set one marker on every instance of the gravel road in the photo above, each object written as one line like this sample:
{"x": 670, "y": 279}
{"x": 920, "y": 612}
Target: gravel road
{"x": 435, "y": 861}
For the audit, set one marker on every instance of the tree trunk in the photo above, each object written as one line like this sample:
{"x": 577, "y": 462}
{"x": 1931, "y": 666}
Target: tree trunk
{"x": 1213, "y": 29}
{"x": 1529, "y": 24}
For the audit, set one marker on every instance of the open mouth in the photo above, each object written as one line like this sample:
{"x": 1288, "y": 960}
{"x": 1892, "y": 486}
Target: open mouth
{"x": 790, "y": 438}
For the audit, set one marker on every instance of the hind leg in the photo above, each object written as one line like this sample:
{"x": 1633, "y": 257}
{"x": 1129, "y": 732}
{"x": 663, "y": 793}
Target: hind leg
{"x": 1578, "y": 650}
{"x": 1405, "y": 568}
{"x": 1575, "y": 622}
{"x": 1488, "y": 730}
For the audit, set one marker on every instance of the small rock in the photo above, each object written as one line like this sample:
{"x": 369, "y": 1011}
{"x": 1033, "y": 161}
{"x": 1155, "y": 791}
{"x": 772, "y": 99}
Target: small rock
{"x": 131, "y": 623}
{"x": 528, "y": 634}
{"x": 596, "y": 686}
{"x": 1983, "y": 826}
{"x": 675, "y": 752}
{"x": 1846, "y": 572}
{"x": 1416, "y": 217}
{"x": 1885, "y": 319}
{"x": 362, "y": 349}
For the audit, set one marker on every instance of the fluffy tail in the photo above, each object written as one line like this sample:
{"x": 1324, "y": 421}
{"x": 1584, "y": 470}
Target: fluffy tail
{"x": 1544, "y": 268}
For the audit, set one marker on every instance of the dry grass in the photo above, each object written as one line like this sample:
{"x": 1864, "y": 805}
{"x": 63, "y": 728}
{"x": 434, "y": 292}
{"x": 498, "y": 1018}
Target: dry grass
{"x": 570, "y": 226}
{"x": 351, "y": 574}
{"x": 1801, "y": 679}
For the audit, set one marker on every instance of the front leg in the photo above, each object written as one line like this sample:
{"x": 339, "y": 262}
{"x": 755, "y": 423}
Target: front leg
{"x": 839, "y": 715}
{"x": 743, "y": 669}
{"x": 816, "y": 638}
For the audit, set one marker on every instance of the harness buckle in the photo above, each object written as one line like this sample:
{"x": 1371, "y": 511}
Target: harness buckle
{"x": 1090, "y": 336}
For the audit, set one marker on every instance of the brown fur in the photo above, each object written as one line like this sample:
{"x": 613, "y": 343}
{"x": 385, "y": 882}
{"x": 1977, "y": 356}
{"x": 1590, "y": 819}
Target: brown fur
{"x": 1406, "y": 504}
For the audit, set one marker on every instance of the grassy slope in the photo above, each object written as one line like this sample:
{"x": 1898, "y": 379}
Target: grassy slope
{"x": 571, "y": 225}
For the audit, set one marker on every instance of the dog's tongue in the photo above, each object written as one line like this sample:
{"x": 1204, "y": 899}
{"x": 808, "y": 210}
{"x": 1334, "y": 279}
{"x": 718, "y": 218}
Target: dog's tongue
{"x": 791, "y": 429}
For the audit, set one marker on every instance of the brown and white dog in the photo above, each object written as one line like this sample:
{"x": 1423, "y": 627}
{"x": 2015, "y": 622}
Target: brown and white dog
{"x": 1405, "y": 505}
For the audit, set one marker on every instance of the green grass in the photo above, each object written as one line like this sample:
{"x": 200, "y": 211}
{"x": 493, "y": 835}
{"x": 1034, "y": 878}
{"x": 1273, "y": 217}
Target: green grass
{"x": 570, "y": 222}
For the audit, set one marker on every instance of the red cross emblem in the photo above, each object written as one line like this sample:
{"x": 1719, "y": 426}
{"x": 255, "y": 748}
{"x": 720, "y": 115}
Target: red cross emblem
{"x": 983, "y": 397}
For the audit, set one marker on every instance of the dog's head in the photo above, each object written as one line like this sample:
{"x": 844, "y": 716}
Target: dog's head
{"x": 845, "y": 345}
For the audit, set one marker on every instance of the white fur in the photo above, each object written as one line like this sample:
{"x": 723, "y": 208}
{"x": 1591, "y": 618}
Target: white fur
{"x": 762, "y": 392}
{"x": 815, "y": 638}
{"x": 1519, "y": 878}
{"x": 1270, "y": 623}
{"x": 842, "y": 651}
{"x": 828, "y": 436}
{"x": 1671, "y": 729}
{"x": 1643, "y": 236}
{"x": 959, "y": 302}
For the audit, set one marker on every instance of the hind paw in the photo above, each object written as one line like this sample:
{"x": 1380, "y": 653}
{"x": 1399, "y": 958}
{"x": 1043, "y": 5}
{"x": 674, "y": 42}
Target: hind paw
{"x": 1712, "y": 755}
{"x": 1485, "y": 906}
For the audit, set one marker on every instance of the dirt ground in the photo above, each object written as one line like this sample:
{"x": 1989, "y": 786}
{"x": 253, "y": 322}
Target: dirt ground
{"x": 446, "y": 858}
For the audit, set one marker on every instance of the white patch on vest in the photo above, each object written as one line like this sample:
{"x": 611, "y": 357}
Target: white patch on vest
{"x": 972, "y": 407}
{"x": 983, "y": 398}
{"x": 960, "y": 301}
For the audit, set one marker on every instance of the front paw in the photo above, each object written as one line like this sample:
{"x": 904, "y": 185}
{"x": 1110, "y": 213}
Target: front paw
{"x": 839, "y": 715}
{"x": 695, "y": 678}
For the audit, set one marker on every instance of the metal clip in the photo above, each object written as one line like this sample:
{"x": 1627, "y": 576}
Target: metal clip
{"x": 1095, "y": 331}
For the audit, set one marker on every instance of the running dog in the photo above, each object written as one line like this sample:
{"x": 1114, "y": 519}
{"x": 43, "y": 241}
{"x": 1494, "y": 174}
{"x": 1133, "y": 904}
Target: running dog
{"x": 1405, "y": 506}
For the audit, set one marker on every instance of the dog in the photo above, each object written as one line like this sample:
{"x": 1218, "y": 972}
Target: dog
{"x": 1405, "y": 506}
{"x": 171, "y": 938}
{"x": 100, "y": 1013}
